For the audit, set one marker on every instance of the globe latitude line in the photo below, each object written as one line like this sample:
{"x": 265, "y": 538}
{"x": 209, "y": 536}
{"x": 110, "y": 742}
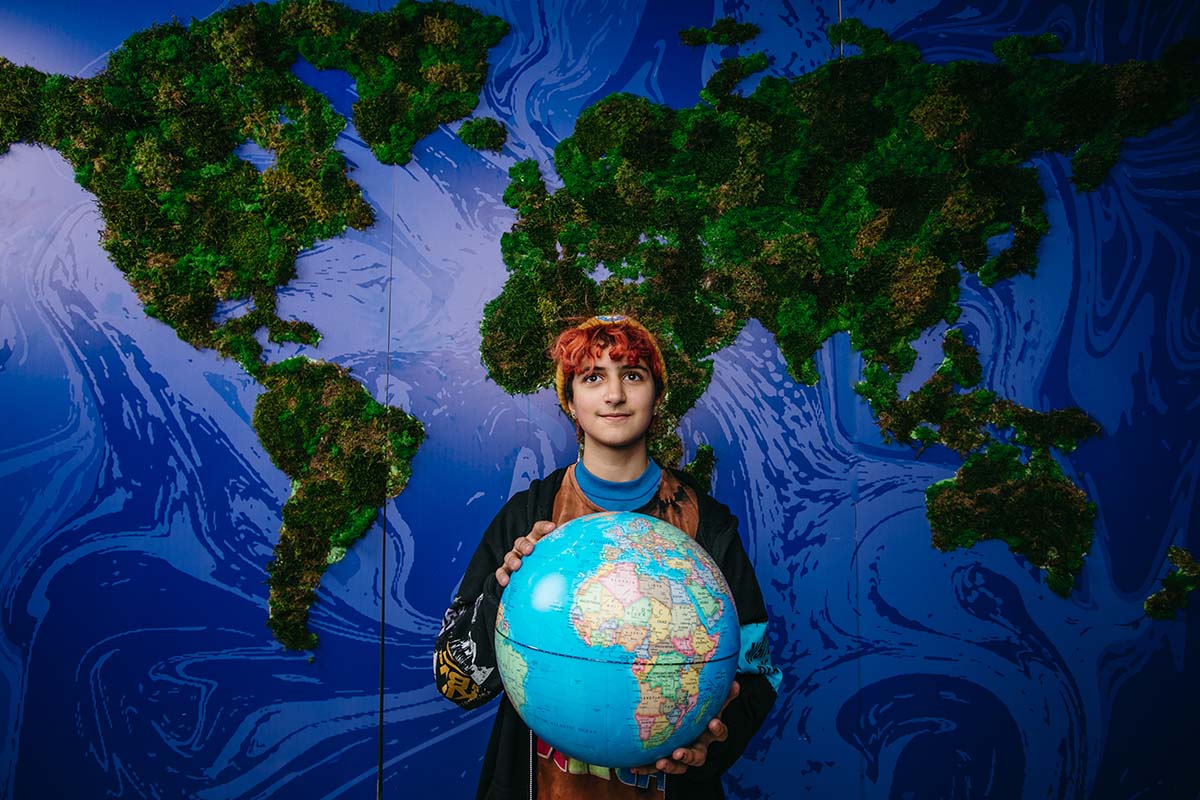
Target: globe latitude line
{"x": 609, "y": 661}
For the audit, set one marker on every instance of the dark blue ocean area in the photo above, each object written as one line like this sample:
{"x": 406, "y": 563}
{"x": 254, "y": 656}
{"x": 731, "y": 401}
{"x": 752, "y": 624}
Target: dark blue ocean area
{"x": 138, "y": 509}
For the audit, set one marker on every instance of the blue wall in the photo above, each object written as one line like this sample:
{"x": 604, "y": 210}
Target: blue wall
{"x": 138, "y": 511}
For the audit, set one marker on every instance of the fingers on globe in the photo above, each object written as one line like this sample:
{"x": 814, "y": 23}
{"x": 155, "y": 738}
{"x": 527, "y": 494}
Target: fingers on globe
{"x": 540, "y": 529}
{"x": 734, "y": 690}
{"x": 522, "y": 547}
{"x": 511, "y": 563}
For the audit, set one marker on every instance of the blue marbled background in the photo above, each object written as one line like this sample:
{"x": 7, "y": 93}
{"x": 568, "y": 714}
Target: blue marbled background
{"x": 138, "y": 511}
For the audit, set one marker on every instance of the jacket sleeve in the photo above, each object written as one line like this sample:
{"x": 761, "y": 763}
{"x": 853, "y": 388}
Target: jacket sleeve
{"x": 464, "y": 657}
{"x": 758, "y": 678}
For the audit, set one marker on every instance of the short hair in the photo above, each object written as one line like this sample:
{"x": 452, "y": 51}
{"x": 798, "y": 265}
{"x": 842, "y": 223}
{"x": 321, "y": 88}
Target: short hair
{"x": 577, "y": 348}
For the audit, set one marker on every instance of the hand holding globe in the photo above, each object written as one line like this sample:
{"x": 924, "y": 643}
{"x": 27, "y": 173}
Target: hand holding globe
{"x": 695, "y": 754}
{"x": 682, "y": 758}
{"x": 521, "y": 548}
{"x": 617, "y": 641}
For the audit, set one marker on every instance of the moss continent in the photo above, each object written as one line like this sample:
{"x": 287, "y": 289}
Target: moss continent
{"x": 346, "y": 454}
{"x": 848, "y": 199}
{"x": 153, "y": 137}
{"x": 191, "y": 224}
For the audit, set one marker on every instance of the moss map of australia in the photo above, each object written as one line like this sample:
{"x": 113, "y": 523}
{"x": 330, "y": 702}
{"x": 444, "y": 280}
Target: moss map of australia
{"x": 849, "y": 199}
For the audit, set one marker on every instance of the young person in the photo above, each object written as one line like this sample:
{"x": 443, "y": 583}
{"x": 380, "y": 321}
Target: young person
{"x": 610, "y": 378}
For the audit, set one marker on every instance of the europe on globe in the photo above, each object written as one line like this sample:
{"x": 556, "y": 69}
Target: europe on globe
{"x": 617, "y": 640}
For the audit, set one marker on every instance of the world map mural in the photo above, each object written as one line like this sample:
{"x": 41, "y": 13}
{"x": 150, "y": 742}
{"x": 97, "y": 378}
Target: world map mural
{"x": 277, "y": 281}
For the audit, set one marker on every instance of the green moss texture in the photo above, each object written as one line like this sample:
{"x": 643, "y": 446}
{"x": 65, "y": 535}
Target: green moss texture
{"x": 483, "y": 134}
{"x": 725, "y": 31}
{"x": 1177, "y": 585}
{"x": 191, "y": 224}
{"x": 849, "y": 199}
{"x": 346, "y": 454}
{"x": 153, "y": 137}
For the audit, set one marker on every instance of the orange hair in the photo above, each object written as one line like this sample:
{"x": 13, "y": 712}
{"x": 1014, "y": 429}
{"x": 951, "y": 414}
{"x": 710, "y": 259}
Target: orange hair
{"x": 577, "y": 349}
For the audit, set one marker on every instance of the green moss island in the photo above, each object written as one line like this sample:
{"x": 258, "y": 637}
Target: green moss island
{"x": 484, "y": 133}
{"x": 1177, "y": 585}
{"x": 190, "y": 223}
{"x": 849, "y": 199}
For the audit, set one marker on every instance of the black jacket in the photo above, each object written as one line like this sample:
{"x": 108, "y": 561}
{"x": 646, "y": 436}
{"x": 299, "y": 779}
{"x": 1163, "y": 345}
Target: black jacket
{"x": 465, "y": 660}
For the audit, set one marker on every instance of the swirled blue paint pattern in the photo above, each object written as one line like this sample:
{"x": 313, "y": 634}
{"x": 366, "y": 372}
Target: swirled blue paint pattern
{"x": 138, "y": 510}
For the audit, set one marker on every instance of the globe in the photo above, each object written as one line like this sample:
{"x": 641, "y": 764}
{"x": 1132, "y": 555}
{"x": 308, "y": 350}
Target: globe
{"x": 617, "y": 640}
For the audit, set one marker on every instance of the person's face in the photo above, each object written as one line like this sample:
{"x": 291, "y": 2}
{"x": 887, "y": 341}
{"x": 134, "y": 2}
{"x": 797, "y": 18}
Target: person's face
{"x": 613, "y": 403}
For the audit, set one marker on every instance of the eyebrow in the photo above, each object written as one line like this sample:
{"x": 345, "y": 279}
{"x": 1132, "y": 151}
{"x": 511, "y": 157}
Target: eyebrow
{"x": 622, "y": 368}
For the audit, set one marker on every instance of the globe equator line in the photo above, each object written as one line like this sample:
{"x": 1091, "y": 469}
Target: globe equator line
{"x": 609, "y": 661}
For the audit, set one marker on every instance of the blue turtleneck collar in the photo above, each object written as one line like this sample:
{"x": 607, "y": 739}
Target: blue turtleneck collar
{"x": 619, "y": 495}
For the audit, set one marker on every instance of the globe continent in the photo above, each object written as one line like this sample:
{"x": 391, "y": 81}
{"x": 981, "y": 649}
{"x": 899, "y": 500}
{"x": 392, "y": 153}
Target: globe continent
{"x": 617, "y": 640}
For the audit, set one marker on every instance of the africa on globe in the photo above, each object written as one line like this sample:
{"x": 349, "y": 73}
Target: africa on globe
{"x": 617, "y": 639}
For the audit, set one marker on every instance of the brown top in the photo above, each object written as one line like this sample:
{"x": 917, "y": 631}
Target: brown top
{"x": 675, "y": 503}
{"x": 560, "y": 777}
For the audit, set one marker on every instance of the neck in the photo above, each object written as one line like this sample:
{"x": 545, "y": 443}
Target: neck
{"x": 615, "y": 464}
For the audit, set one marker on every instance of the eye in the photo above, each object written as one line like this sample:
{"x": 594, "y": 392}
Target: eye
{"x": 591, "y": 377}
{"x": 634, "y": 376}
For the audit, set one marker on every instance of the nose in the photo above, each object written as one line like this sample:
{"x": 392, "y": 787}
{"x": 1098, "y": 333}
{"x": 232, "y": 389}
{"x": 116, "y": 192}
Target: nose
{"x": 615, "y": 392}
